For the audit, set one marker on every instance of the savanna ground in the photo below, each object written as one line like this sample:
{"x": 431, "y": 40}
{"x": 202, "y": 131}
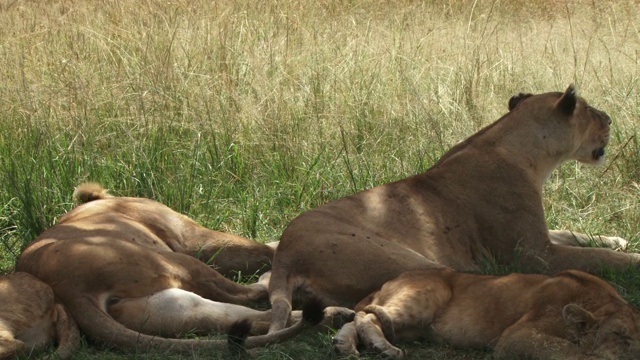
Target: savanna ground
{"x": 243, "y": 114}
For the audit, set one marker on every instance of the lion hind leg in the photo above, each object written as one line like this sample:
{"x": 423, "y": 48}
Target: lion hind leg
{"x": 281, "y": 287}
{"x": 210, "y": 284}
{"x": 281, "y": 309}
{"x": 369, "y": 329}
{"x": 174, "y": 312}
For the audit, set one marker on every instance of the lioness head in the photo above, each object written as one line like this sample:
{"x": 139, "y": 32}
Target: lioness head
{"x": 610, "y": 333}
{"x": 572, "y": 128}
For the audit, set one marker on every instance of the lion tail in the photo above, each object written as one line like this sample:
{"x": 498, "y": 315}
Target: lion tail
{"x": 385, "y": 321}
{"x": 312, "y": 314}
{"x": 101, "y": 327}
{"x": 90, "y": 191}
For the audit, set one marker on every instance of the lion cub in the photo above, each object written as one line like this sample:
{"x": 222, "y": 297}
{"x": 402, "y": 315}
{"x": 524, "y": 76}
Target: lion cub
{"x": 30, "y": 320}
{"x": 572, "y": 315}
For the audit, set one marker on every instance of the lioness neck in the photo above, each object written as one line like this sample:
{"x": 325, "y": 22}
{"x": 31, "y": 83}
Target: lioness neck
{"x": 508, "y": 144}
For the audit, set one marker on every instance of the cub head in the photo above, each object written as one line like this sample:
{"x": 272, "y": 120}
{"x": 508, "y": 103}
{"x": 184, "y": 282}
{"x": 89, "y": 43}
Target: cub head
{"x": 567, "y": 127}
{"x": 611, "y": 333}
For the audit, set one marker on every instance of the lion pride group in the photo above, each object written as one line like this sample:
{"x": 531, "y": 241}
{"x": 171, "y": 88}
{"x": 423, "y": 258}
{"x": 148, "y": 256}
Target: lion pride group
{"x": 401, "y": 261}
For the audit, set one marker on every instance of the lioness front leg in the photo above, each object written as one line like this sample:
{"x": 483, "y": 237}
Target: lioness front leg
{"x": 571, "y": 238}
{"x": 556, "y": 258}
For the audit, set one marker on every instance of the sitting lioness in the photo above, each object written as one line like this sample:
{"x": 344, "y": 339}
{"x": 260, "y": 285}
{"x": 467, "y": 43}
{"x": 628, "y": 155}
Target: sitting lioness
{"x": 30, "y": 320}
{"x": 572, "y": 315}
{"x": 480, "y": 203}
{"x": 126, "y": 270}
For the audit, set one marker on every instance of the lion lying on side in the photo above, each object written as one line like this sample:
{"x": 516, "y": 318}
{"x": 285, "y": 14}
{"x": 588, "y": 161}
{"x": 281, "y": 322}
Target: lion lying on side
{"x": 30, "y": 321}
{"x": 572, "y": 315}
{"x": 126, "y": 270}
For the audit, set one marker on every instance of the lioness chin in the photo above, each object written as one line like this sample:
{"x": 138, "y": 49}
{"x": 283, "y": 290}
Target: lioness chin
{"x": 481, "y": 202}
{"x": 572, "y": 315}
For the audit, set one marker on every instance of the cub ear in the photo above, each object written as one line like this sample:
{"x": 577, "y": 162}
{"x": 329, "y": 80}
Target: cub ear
{"x": 517, "y": 99}
{"x": 578, "y": 319}
{"x": 567, "y": 102}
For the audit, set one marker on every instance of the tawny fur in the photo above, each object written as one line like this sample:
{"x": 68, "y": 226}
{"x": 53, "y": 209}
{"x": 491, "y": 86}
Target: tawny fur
{"x": 572, "y": 315}
{"x": 90, "y": 191}
{"x": 480, "y": 203}
{"x": 31, "y": 321}
{"x": 132, "y": 271}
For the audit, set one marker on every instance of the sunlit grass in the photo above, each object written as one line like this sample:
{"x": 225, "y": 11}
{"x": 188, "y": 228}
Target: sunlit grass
{"x": 243, "y": 114}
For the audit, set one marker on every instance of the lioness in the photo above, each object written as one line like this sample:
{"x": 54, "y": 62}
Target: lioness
{"x": 482, "y": 201}
{"x": 572, "y": 315}
{"x": 125, "y": 268}
{"x": 30, "y": 320}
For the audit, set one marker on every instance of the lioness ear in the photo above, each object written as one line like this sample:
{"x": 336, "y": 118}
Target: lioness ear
{"x": 577, "y": 318}
{"x": 567, "y": 102}
{"x": 517, "y": 99}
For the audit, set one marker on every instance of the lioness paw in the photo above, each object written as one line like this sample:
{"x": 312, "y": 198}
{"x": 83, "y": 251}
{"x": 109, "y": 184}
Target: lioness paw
{"x": 613, "y": 242}
{"x": 336, "y": 316}
{"x": 393, "y": 353}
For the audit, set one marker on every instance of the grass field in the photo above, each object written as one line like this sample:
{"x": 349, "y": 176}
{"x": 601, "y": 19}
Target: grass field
{"x": 243, "y": 114}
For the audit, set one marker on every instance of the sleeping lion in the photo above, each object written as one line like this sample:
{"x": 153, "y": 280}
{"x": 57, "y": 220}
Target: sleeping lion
{"x": 129, "y": 271}
{"x": 31, "y": 320}
{"x": 572, "y": 315}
